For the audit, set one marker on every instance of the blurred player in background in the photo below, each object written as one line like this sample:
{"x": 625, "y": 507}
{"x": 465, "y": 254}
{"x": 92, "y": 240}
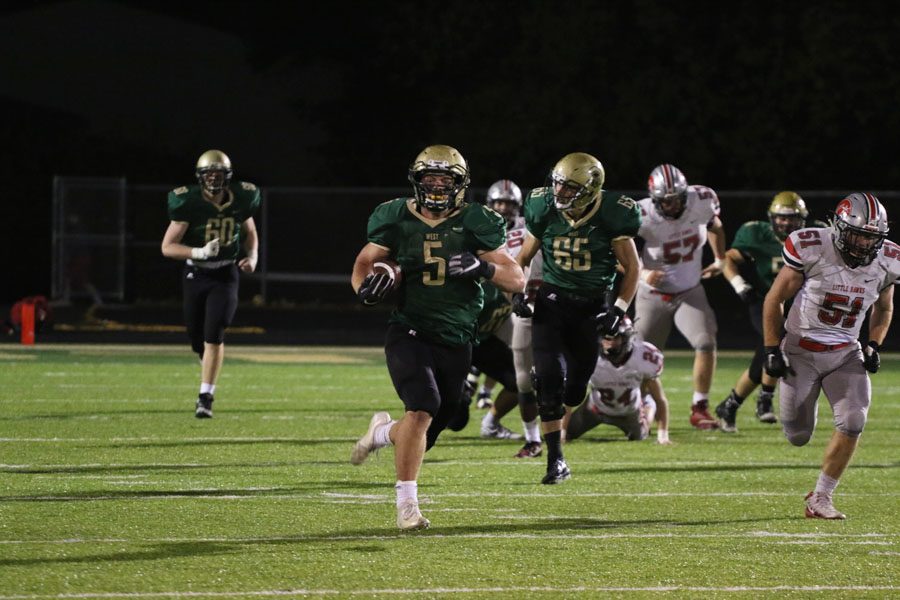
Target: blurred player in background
{"x": 582, "y": 235}
{"x": 677, "y": 220}
{"x": 445, "y": 248}
{"x": 625, "y": 389}
{"x": 212, "y": 229}
{"x": 834, "y": 276}
{"x": 757, "y": 245}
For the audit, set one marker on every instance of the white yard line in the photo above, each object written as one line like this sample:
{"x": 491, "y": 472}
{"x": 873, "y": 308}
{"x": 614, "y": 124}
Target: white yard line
{"x": 767, "y": 536}
{"x": 459, "y": 590}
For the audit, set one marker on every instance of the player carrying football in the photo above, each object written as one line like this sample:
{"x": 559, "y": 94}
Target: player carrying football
{"x": 445, "y": 248}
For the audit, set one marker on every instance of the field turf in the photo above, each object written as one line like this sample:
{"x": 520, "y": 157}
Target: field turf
{"x": 110, "y": 488}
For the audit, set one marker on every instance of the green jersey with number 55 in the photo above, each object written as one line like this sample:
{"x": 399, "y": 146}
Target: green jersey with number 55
{"x": 438, "y": 307}
{"x": 578, "y": 255}
{"x": 207, "y": 221}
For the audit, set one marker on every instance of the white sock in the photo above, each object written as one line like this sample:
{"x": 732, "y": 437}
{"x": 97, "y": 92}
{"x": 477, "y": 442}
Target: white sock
{"x": 532, "y": 430}
{"x": 489, "y": 421}
{"x": 383, "y": 434}
{"x": 407, "y": 490}
{"x": 207, "y": 388}
{"x": 698, "y": 397}
{"x": 825, "y": 484}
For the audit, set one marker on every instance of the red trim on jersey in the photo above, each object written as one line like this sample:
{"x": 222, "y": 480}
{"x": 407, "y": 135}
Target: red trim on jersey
{"x": 789, "y": 248}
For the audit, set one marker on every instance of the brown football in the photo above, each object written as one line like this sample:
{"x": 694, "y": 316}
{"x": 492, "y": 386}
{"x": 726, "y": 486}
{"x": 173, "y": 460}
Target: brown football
{"x": 392, "y": 268}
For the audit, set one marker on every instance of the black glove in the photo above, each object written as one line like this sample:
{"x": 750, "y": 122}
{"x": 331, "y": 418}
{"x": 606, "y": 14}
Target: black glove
{"x": 608, "y": 322}
{"x": 519, "y": 307}
{"x": 871, "y": 359}
{"x": 374, "y": 288}
{"x": 468, "y": 266}
{"x": 777, "y": 364}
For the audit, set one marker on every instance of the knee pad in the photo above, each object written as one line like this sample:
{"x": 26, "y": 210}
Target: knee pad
{"x": 796, "y": 437}
{"x": 706, "y": 344}
{"x": 217, "y": 337}
{"x": 551, "y": 412}
{"x": 853, "y": 425}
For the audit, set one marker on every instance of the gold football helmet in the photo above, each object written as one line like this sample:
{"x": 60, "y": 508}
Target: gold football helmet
{"x": 576, "y": 181}
{"x": 209, "y": 165}
{"x": 787, "y": 213}
{"x": 439, "y": 160}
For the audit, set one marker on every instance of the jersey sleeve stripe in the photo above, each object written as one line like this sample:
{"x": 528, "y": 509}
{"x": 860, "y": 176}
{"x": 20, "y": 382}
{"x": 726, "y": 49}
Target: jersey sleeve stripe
{"x": 791, "y": 261}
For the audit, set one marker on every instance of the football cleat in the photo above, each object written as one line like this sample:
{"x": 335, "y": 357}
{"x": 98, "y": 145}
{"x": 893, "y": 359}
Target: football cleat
{"x": 530, "y": 450}
{"x": 366, "y": 444}
{"x": 499, "y": 432}
{"x": 700, "y": 417}
{"x": 727, "y": 413}
{"x": 557, "y": 472}
{"x": 409, "y": 518}
{"x": 204, "y": 406}
{"x": 819, "y": 506}
{"x": 764, "y": 411}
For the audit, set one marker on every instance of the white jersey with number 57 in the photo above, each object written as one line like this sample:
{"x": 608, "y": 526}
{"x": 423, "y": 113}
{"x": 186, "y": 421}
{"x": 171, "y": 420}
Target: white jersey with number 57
{"x": 616, "y": 391}
{"x": 832, "y": 303}
{"x": 675, "y": 246}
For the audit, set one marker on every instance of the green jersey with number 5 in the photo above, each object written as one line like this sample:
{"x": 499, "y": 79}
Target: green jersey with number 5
{"x": 207, "y": 221}
{"x": 578, "y": 255}
{"x": 757, "y": 242}
{"x": 438, "y": 307}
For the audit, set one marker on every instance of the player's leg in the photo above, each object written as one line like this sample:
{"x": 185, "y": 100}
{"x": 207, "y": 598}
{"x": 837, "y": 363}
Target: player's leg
{"x": 582, "y": 419}
{"x": 523, "y": 361}
{"x": 496, "y": 362}
{"x": 221, "y": 304}
{"x": 849, "y": 391}
{"x": 550, "y": 373}
{"x": 652, "y": 316}
{"x": 197, "y": 285}
{"x": 696, "y": 321}
{"x": 800, "y": 393}
{"x": 486, "y": 392}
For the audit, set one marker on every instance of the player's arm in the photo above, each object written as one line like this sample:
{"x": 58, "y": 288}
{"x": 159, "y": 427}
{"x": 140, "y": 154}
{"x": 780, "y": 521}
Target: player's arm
{"x": 626, "y": 254}
{"x": 653, "y": 386}
{"x": 530, "y": 247}
{"x": 882, "y": 313}
{"x": 507, "y": 274}
{"x": 251, "y": 246}
{"x": 362, "y": 267}
{"x": 733, "y": 259}
{"x": 173, "y": 248}
{"x": 786, "y": 285}
{"x": 716, "y": 240}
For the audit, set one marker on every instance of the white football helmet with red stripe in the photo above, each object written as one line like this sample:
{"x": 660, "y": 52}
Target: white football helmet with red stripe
{"x": 859, "y": 228}
{"x": 668, "y": 189}
{"x": 505, "y": 198}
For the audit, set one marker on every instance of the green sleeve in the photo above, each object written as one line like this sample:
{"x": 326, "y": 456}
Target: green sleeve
{"x": 622, "y": 215}
{"x": 486, "y": 228}
{"x": 178, "y": 210}
{"x": 744, "y": 238}
{"x": 536, "y": 208}
{"x": 382, "y": 229}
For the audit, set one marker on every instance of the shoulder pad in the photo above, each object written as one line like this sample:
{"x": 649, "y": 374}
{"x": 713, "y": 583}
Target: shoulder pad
{"x": 180, "y": 190}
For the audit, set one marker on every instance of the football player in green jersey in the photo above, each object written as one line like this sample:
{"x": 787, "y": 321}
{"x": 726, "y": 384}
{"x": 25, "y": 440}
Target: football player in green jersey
{"x": 582, "y": 236}
{"x": 758, "y": 244}
{"x": 211, "y": 227}
{"x": 444, "y": 247}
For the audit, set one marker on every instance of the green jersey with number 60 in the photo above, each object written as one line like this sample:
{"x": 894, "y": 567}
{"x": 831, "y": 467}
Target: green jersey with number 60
{"x": 578, "y": 255}
{"x": 436, "y": 306}
{"x": 207, "y": 221}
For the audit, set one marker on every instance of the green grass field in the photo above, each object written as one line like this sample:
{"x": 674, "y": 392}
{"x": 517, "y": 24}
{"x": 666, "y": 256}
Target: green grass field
{"x": 110, "y": 488}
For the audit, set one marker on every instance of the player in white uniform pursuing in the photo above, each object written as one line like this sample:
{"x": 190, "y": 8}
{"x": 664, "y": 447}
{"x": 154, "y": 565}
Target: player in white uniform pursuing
{"x": 834, "y": 275}
{"x": 625, "y": 389}
{"x": 505, "y": 198}
{"x": 676, "y": 221}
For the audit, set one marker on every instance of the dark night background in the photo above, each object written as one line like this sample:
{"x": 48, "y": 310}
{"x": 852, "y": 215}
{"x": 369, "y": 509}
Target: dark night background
{"x": 740, "y": 95}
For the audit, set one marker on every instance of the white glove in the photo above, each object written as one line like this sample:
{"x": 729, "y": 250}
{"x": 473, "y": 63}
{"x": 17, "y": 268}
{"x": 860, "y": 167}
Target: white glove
{"x": 210, "y": 250}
